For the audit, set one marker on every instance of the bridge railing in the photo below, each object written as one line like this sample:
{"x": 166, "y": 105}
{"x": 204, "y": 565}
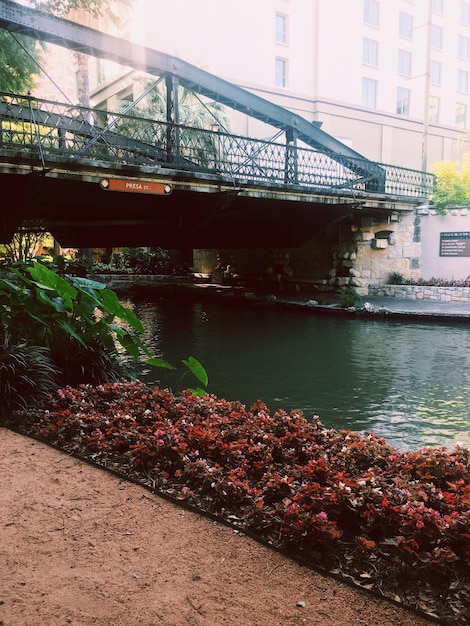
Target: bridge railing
{"x": 32, "y": 128}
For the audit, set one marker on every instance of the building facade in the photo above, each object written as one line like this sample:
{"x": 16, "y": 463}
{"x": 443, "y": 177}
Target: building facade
{"x": 390, "y": 78}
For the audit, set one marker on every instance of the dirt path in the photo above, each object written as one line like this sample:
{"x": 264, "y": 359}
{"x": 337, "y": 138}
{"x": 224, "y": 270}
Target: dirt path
{"x": 78, "y": 546}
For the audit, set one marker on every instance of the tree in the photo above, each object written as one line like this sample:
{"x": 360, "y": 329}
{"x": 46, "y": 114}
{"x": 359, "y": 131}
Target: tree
{"x": 23, "y": 245}
{"x": 20, "y": 56}
{"x": 193, "y": 113}
{"x": 452, "y": 183}
{"x": 17, "y": 67}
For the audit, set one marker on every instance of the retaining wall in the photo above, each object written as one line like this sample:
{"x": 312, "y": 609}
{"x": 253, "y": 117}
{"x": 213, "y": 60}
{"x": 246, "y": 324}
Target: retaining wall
{"x": 125, "y": 281}
{"x": 415, "y": 292}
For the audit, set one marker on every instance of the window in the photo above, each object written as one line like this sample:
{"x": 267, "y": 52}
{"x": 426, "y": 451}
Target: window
{"x": 465, "y": 13}
{"x": 406, "y": 25}
{"x": 403, "y": 101}
{"x": 404, "y": 62}
{"x": 281, "y": 28}
{"x": 461, "y": 115}
{"x": 370, "y": 52}
{"x": 281, "y": 73}
{"x": 462, "y": 81}
{"x": 371, "y": 12}
{"x": 433, "y": 109}
{"x": 438, "y": 6}
{"x": 436, "y": 37}
{"x": 435, "y": 73}
{"x": 369, "y": 93}
{"x": 464, "y": 47}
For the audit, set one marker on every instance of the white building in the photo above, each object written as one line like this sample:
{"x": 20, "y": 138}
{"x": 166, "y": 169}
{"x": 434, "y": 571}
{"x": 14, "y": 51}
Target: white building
{"x": 391, "y": 78}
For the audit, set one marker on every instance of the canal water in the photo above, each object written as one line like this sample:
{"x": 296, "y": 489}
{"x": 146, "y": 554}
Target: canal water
{"x": 406, "y": 381}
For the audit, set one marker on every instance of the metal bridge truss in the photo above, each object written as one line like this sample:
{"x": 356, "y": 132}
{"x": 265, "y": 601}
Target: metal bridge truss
{"x": 308, "y": 158}
{"x": 50, "y": 132}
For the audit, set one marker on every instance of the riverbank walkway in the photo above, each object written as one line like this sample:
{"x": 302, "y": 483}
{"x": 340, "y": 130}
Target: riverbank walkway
{"x": 383, "y": 306}
{"x": 420, "y": 308}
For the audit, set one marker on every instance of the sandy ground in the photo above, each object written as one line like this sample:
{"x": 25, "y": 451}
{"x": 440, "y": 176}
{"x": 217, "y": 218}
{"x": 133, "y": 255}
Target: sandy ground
{"x": 79, "y": 546}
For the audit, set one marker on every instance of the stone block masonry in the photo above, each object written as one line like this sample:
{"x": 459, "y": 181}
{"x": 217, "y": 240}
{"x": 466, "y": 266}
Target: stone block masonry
{"x": 373, "y": 249}
{"x": 418, "y": 292}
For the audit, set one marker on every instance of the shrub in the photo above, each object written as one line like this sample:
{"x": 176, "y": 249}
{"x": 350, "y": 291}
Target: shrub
{"x": 27, "y": 375}
{"x": 348, "y": 297}
{"x": 70, "y": 316}
{"x": 395, "y": 278}
{"x": 139, "y": 261}
{"x": 435, "y": 282}
{"x": 74, "y": 318}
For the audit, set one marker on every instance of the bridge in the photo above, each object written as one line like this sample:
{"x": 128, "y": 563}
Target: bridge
{"x": 96, "y": 178}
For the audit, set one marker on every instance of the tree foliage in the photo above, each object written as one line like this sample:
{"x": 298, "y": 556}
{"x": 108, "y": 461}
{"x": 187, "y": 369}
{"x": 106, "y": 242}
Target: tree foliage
{"x": 60, "y": 8}
{"x": 17, "y": 65}
{"x": 23, "y": 245}
{"x": 452, "y": 183}
{"x": 20, "y": 56}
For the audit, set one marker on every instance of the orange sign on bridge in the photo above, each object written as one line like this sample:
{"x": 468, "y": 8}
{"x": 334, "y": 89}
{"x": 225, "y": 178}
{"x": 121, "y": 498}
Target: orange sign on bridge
{"x": 135, "y": 186}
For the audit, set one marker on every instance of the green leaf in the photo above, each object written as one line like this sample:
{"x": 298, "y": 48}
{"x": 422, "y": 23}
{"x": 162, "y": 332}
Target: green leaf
{"x": 111, "y": 304}
{"x": 71, "y": 331}
{"x": 160, "y": 363}
{"x": 86, "y": 284}
{"x": 39, "y": 319}
{"x": 117, "y": 329}
{"x": 51, "y": 280}
{"x": 197, "y": 369}
{"x": 198, "y": 392}
{"x": 13, "y": 287}
{"x": 57, "y": 303}
{"x": 129, "y": 345}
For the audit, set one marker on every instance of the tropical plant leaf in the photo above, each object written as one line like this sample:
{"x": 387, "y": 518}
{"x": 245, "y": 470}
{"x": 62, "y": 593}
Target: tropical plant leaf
{"x": 56, "y": 303}
{"x": 129, "y": 344}
{"x": 13, "y": 287}
{"x": 156, "y": 362}
{"x": 49, "y": 279}
{"x": 198, "y": 391}
{"x": 111, "y": 304}
{"x": 86, "y": 284}
{"x": 71, "y": 331}
{"x": 197, "y": 369}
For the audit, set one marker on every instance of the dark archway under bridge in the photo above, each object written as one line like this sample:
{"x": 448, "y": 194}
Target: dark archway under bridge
{"x": 80, "y": 213}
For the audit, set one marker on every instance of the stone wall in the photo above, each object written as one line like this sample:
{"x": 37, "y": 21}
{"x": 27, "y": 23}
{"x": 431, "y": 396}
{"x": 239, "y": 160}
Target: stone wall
{"x": 374, "y": 248}
{"x": 359, "y": 252}
{"x": 415, "y": 292}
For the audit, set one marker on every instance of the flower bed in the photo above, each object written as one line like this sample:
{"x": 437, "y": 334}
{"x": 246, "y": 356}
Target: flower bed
{"x": 397, "y": 524}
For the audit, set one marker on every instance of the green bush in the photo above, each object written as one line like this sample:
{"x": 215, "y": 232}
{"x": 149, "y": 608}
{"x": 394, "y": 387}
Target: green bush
{"x": 139, "y": 261}
{"x": 79, "y": 321}
{"x": 73, "y": 317}
{"x": 395, "y": 278}
{"x": 348, "y": 297}
{"x": 27, "y": 375}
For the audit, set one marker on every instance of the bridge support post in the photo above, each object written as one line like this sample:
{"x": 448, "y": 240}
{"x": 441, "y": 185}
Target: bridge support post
{"x": 291, "y": 162}
{"x": 172, "y": 118}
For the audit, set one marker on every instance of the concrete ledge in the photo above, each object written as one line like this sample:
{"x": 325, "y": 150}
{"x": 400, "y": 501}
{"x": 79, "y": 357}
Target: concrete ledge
{"x": 114, "y": 281}
{"x": 416, "y": 292}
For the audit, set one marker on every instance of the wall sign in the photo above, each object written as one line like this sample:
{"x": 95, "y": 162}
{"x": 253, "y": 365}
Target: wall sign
{"x": 455, "y": 244}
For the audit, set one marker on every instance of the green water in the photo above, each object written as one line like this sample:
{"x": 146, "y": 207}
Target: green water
{"x": 406, "y": 381}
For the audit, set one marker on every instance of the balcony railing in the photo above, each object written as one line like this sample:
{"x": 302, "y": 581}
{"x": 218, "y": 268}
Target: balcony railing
{"x": 32, "y": 128}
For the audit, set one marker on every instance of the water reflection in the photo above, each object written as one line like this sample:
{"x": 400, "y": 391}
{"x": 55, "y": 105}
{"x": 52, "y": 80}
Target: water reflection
{"x": 409, "y": 382}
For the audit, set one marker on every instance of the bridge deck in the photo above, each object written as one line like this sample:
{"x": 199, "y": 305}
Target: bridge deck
{"x": 67, "y": 135}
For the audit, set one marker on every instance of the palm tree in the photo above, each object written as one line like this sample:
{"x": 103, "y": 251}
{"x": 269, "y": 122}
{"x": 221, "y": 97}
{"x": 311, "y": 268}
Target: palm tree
{"x": 185, "y": 113}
